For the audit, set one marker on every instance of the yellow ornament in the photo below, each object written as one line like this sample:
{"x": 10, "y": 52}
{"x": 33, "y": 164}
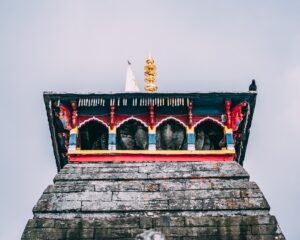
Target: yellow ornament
{"x": 150, "y": 73}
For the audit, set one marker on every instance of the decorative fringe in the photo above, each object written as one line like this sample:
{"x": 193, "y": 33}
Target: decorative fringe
{"x": 135, "y": 102}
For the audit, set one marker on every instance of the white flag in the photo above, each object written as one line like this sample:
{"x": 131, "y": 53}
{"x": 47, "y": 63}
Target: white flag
{"x": 131, "y": 83}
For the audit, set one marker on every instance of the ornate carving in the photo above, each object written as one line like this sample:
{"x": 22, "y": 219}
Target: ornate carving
{"x": 65, "y": 117}
{"x": 60, "y": 121}
{"x": 237, "y": 115}
{"x": 63, "y": 139}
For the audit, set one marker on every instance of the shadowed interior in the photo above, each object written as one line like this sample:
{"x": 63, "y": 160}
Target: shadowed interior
{"x": 209, "y": 136}
{"x": 93, "y": 136}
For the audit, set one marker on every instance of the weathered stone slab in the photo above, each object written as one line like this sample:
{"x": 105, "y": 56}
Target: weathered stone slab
{"x": 149, "y": 185}
{"x": 123, "y": 206}
{"x": 158, "y": 170}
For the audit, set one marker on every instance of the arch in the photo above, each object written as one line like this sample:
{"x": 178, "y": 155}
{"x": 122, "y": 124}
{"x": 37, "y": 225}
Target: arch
{"x": 93, "y": 135}
{"x": 132, "y": 134}
{"x": 170, "y": 118}
{"x": 209, "y": 135}
{"x": 93, "y": 119}
{"x": 171, "y": 135}
{"x": 208, "y": 119}
{"x": 132, "y": 118}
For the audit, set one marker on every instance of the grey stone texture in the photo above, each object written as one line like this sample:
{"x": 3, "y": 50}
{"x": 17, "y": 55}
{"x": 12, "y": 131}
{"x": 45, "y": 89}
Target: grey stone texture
{"x": 182, "y": 200}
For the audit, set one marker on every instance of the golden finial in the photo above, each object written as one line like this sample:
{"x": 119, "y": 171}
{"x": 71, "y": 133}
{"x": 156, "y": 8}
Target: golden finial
{"x": 150, "y": 75}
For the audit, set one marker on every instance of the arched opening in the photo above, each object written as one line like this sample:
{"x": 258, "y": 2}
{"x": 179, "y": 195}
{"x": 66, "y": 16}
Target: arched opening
{"x": 132, "y": 135}
{"x": 93, "y": 136}
{"x": 171, "y": 135}
{"x": 209, "y": 136}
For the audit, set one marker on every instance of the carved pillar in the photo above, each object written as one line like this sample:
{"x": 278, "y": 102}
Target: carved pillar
{"x": 190, "y": 115}
{"x": 151, "y": 115}
{"x": 228, "y": 113}
{"x": 112, "y": 128}
{"x": 151, "y": 129}
{"x": 112, "y": 116}
{"x": 190, "y": 131}
{"x": 74, "y": 114}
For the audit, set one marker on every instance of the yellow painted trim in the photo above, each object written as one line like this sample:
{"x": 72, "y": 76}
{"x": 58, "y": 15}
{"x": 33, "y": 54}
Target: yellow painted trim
{"x": 227, "y": 130}
{"x": 154, "y": 152}
{"x": 190, "y": 130}
{"x": 151, "y": 130}
{"x": 114, "y": 130}
{"x": 74, "y": 130}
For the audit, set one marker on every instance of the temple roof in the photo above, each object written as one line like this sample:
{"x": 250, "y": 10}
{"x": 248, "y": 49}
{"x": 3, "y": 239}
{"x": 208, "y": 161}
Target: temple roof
{"x": 205, "y": 103}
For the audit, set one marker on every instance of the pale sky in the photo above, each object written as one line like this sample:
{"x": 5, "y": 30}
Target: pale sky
{"x": 197, "y": 45}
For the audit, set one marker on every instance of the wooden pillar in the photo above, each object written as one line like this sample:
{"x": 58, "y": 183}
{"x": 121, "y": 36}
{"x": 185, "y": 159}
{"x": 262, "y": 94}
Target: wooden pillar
{"x": 190, "y": 131}
{"x": 112, "y": 116}
{"x": 112, "y": 128}
{"x": 74, "y": 114}
{"x": 190, "y": 115}
{"x": 228, "y": 113}
{"x": 151, "y": 116}
{"x": 151, "y": 129}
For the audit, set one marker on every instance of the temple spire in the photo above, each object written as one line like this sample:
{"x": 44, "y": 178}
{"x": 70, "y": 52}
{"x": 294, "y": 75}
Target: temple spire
{"x": 150, "y": 75}
{"x": 131, "y": 83}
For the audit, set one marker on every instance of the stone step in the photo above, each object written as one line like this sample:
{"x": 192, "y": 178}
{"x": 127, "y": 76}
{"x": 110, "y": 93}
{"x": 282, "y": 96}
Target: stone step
{"x": 149, "y": 185}
{"x": 151, "y": 171}
{"x": 213, "y": 227}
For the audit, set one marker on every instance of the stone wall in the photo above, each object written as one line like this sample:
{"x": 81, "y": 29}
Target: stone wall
{"x": 182, "y": 200}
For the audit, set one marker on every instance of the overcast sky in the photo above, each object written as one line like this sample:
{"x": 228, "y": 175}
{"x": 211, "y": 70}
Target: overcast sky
{"x": 197, "y": 45}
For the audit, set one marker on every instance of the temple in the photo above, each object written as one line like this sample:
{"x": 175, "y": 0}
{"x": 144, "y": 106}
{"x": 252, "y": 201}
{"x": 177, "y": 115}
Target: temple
{"x": 171, "y": 162}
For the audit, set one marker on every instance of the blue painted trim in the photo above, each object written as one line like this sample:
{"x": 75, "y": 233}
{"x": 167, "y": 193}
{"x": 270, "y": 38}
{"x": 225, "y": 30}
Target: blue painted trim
{"x": 191, "y": 138}
{"x": 112, "y": 139}
{"x": 72, "y": 140}
{"x": 152, "y": 138}
{"x": 229, "y": 141}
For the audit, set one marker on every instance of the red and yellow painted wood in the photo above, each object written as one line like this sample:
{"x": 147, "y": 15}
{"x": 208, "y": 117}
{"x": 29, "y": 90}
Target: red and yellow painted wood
{"x": 76, "y": 156}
